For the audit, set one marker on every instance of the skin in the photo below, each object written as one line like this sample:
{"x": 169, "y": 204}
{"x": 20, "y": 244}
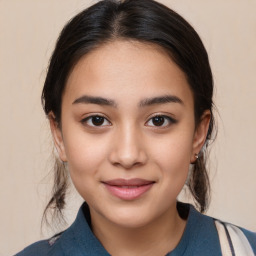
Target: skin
{"x": 129, "y": 145}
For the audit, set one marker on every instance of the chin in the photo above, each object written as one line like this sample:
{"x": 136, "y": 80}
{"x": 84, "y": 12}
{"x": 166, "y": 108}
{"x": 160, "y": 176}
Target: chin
{"x": 131, "y": 222}
{"x": 131, "y": 218}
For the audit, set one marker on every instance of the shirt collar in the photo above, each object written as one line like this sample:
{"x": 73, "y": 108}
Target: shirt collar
{"x": 79, "y": 238}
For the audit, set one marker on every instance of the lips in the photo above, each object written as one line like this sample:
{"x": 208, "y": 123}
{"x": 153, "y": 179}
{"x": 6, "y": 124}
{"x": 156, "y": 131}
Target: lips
{"x": 128, "y": 189}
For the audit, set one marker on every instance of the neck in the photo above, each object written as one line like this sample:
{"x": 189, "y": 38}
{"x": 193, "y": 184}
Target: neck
{"x": 158, "y": 237}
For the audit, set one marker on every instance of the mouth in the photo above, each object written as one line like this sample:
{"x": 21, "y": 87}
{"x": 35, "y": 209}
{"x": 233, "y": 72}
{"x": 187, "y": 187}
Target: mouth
{"x": 128, "y": 189}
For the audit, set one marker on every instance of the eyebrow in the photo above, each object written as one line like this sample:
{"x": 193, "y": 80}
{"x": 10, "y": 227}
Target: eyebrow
{"x": 143, "y": 103}
{"x": 160, "y": 100}
{"x": 95, "y": 100}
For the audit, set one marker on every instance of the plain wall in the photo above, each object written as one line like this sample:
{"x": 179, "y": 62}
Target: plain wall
{"x": 28, "y": 31}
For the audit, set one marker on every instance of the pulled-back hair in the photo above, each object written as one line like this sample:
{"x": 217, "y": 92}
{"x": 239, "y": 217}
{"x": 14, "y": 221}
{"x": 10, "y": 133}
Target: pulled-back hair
{"x": 145, "y": 21}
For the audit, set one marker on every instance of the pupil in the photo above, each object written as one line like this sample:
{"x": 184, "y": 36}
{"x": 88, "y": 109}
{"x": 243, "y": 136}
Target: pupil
{"x": 97, "y": 120}
{"x": 158, "y": 120}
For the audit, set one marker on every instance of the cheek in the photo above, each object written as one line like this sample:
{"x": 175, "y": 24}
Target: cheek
{"x": 84, "y": 155}
{"x": 172, "y": 156}
{"x": 174, "y": 149}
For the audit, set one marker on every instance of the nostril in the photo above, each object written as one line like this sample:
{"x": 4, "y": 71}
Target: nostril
{"x": 128, "y": 149}
{"x": 127, "y": 165}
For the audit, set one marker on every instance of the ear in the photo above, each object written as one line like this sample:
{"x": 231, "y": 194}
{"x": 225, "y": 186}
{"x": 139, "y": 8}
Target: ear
{"x": 57, "y": 137}
{"x": 200, "y": 134}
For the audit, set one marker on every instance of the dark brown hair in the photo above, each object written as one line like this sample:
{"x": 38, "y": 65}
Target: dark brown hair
{"x": 142, "y": 20}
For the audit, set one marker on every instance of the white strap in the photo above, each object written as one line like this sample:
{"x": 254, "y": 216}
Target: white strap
{"x": 239, "y": 240}
{"x": 224, "y": 244}
{"x": 233, "y": 239}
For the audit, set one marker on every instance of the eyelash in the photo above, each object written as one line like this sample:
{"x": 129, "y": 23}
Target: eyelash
{"x": 169, "y": 119}
{"x": 85, "y": 120}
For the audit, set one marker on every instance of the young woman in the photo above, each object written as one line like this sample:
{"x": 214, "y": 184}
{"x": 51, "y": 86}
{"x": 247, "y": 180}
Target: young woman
{"x": 128, "y": 95}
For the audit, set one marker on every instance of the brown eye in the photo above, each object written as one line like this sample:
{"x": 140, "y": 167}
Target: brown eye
{"x": 161, "y": 121}
{"x": 158, "y": 120}
{"x": 96, "y": 121}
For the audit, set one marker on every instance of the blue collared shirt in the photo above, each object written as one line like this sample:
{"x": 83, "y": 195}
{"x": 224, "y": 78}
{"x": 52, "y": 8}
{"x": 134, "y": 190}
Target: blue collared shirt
{"x": 200, "y": 237}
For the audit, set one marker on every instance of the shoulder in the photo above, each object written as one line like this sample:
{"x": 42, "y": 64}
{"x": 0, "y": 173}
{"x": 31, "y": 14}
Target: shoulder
{"x": 251, "y": 236}
{"x": 41, "y": 248}
{"x": 38, "y": 248}
{"x": 239, "y": 240}
{"x": 210, "y": 235}
{"x": 77, "y": 239}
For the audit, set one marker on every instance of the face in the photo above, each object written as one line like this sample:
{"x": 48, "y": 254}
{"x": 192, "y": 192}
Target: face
{"x": 128, "y": 132}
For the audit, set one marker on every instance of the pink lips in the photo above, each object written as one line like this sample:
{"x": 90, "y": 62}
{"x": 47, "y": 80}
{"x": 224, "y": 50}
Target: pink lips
{"x": 128, "y": 189}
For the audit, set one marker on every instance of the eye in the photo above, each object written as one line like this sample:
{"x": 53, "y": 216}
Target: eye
{"x": 95, "y": 121}
{"x": 161, "y": 121}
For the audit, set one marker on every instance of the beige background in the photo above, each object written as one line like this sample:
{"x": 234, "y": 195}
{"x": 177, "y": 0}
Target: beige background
{"x": 28, "y": 30}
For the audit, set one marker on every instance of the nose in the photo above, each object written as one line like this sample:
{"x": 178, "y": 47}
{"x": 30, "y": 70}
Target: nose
{"x": 128, "y": 148}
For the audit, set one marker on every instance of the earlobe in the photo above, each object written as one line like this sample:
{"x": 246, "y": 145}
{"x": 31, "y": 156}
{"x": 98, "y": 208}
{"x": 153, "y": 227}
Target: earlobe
{"x": 57, "y": 137}
{"x": 200, "y": 135}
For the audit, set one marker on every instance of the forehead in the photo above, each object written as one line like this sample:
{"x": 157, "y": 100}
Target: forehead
{"x": 127, "y": 68}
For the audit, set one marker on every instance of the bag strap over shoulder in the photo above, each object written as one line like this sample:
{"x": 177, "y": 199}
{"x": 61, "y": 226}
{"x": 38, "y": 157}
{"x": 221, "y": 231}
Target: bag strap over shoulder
{"x": 233, "y": 242}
